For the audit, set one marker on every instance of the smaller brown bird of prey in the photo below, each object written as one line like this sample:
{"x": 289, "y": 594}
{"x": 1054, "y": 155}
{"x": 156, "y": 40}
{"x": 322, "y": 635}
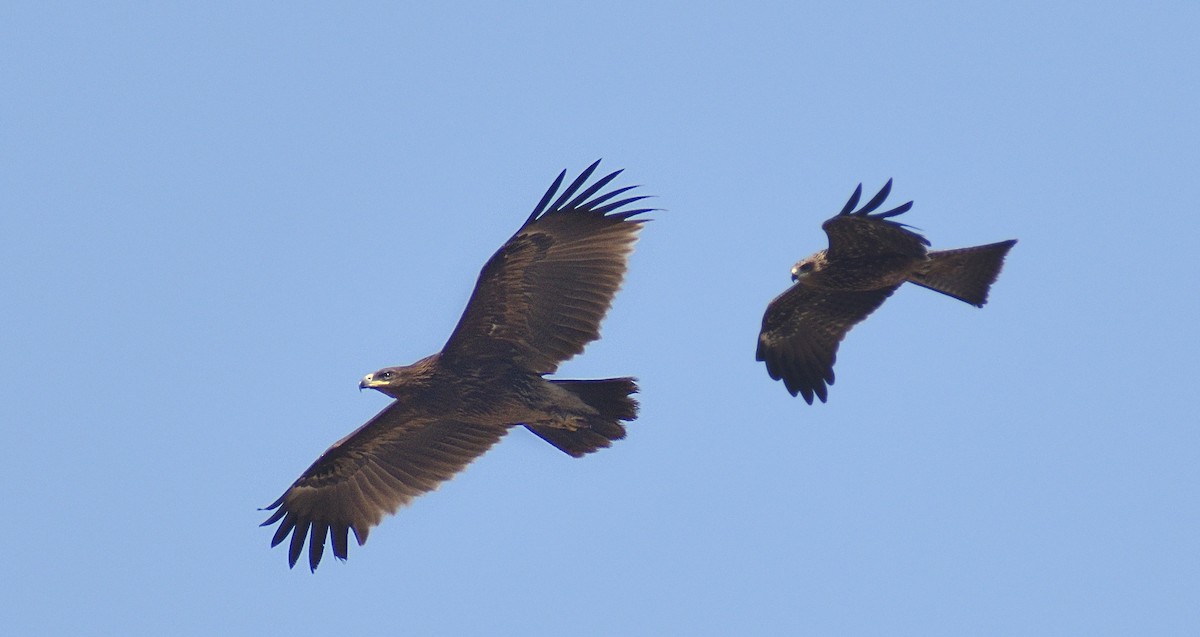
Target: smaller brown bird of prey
{"x": 538, "y": 301}
{"x": 869, "y": 256}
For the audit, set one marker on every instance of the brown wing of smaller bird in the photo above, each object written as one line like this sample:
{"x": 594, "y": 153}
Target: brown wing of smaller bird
{"x": 542, "y": 295}
{"x": 801, "y": 330}
{"x": 858, "y": 234}
{"x": 371, "y": 473}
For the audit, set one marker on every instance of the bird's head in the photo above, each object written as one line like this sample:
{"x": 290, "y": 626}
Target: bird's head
{"x": 807, "y": 266}
{"x": 406, "y": 380}
{"x": 382, "y": 379}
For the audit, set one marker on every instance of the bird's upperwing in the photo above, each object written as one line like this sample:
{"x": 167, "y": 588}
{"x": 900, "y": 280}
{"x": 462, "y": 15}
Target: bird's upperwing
{"x": 858, "y": 233}
{"x": 374, "y": 471}
{"x": 801, "y": 330}
{"x": 542, "y": 295}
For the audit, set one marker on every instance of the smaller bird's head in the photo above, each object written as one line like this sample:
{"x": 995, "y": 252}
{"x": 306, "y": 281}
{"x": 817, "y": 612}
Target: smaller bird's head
{"x": 807, "y": 266}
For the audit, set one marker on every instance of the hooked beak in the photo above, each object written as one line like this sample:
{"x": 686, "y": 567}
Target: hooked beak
{"x": 366, "y": 382}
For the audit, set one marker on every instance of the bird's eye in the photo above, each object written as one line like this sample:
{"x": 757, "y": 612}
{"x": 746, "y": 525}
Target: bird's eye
{"x": 385, "y": 376}
{"x": 805, "y": 267}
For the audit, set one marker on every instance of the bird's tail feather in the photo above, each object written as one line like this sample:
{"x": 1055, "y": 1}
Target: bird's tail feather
{"x": 966, "y": 273}
{"x": 611, "y": 397}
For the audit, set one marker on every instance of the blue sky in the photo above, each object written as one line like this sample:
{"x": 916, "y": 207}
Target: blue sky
{"x": 216, "y": 217}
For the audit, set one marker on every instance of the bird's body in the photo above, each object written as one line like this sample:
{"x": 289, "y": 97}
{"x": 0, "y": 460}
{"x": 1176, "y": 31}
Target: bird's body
{"x": 538, "y": 301}
{"x": 868, "y": 258}
{"x": 483, "y": 393}
{"x": 855, "y": 274}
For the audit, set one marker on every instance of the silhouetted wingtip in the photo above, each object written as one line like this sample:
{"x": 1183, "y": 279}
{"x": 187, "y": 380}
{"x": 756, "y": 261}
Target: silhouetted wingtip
{"x": 616, "y": 205}
{"x": 285, "y": 527}
{"x": 585, "y": 200}
{"x": 877, "y": 200}
{"x": 809, "y": 394}
{"x": 541, "y": 205}
{"x": 898, "y": 210}
{"x": 274, "y": 517}
{"x": 873, "y": 204}
{"x": 625, "y": 214}
{"x": 316, "y": 545}
{"x": 593, "y": 189}
{"x": 570, "y": 191}
{"x": 274, "y": 505}
{"x": 338, "y": 539}
{"x": 594, "y": 203}
{"x": 853, "y": 201}
{"x": 297, "y": 545}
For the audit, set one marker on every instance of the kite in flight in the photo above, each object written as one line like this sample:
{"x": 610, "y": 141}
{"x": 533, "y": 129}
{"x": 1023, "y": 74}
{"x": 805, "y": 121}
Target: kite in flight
{"x": 537, "y": 302}
{"x": 833, "y": 290}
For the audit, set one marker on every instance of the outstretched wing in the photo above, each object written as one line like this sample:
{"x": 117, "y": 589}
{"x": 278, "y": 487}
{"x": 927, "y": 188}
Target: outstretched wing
{"x": 372, "y": 472}
{"x": 542, "y": 295}
{"x": 860, "y": 234}
{"x": 801, "y": 330}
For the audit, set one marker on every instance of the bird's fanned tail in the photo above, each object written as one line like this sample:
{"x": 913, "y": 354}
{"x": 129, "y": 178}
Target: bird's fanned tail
{"x": 966, "y": 273}
{"x": 611, "y": 398}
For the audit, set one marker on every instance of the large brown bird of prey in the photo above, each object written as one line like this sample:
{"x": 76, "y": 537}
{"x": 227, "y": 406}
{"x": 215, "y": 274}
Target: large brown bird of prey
{"x": 538, "y": 301}
{"x": 868, "y": 258}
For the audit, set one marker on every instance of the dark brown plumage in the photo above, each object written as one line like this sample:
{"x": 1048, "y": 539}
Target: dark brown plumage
{"x": 538, "y": 301}
{"x": 868, "y": 258}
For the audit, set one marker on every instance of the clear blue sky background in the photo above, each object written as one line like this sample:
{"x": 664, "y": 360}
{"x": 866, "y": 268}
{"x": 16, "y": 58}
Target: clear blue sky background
{"x": 216, "y": 217}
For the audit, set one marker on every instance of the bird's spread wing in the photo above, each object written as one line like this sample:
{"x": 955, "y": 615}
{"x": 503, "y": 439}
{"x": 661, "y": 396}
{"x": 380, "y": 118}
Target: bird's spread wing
{"x": 542, "y": 296}
{"x": 858, "y": 233}
{"x": 801, "y": 330}
{"x": 372, "y": 472}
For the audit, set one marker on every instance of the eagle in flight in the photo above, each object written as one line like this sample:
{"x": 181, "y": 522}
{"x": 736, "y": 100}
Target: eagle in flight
{"x": 869, "y": 256}
{"x": 537, "y": 302}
